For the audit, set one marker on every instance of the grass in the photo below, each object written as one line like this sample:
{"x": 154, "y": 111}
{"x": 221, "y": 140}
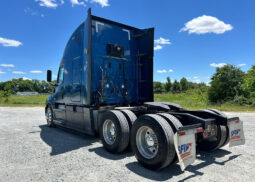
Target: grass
{"x": 25, "y": 100}
{"x": 192, "y": 99}
{"x": 195, "y": 99}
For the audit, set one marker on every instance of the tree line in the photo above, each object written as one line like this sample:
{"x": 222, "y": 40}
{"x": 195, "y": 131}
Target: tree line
{"x": 176, "y": 87}
{"x": 20, "y": 85}
{"x": 231, "y": 83}
{"x": 228, "y": 83}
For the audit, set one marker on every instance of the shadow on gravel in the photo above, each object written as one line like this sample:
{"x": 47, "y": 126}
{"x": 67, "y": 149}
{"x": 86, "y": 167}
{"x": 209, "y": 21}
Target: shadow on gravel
{"x": 63, "y": 140}
{"x": 103, "y": 153}
{"x": 206, "y": 159}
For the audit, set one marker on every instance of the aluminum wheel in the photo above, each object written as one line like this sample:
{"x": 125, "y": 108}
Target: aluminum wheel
{"x": 49, "y": 116}
{"x": 109, "y": 131}
{"x": 147, "y": 142}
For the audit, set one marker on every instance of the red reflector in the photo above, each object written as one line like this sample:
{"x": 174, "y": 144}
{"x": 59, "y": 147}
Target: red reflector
{"x": 205, "y": 133}
{"x": 200, "y": 130}
{"x": 213, "y": 132}
{"x": 182, "y": 133}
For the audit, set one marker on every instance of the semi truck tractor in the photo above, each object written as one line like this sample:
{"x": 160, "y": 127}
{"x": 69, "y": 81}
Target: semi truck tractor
{"x": 105, "y": 88}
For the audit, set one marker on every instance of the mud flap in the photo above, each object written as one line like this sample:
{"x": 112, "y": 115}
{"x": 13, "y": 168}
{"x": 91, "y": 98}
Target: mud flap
{"x": 236, "y": 133}
{"x": 185, "y": 146}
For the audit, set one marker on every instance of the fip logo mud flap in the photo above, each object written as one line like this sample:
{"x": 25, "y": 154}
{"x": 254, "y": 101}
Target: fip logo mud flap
{"x": 185, "y": 146}
{"x": 236, "y": 133}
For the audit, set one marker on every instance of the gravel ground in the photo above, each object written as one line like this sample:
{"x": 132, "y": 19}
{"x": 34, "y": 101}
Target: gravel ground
{"x": 30, "y": 151}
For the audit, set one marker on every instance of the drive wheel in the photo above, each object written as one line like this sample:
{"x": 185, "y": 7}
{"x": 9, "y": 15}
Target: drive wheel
{"x": 130, "y": 116}
{"x": 213, "y": 143}
{"x": 152, "y": 141}
{"x": 49, "y": 117}
{"x": 114, "y": 131}
{"x": 227, "y": 129}
{"x": 175, "y": 124}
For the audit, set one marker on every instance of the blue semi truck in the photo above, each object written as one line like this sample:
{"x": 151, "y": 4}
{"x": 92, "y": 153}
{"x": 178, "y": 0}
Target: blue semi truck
{"x": 105, "y": 87}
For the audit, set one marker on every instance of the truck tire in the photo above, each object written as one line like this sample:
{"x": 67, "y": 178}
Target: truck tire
{"x": 114, "y": 131}
{"x": 175, "y": 124}
{"x": 130, "y": 116}
{"x": 152, "y": 141}
{"x": 172, "y": 120}
{"x": 216, "y": 142}
{"x": 49, "y": 116}
{"x": 227, "y": 129}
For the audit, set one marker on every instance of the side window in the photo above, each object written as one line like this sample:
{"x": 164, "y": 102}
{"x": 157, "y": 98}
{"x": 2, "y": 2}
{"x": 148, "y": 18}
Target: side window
{"x": 77, "y": 71}
{"x": 61, "y": 75}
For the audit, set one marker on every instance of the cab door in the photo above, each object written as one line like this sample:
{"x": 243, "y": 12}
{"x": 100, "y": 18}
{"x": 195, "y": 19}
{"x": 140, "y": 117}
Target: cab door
{"x": 59, "y": 108}
{"x": 76, "y": 79}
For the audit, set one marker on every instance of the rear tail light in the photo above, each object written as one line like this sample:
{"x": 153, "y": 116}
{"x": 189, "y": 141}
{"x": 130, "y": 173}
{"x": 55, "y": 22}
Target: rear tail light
{"x": 182, "y": 133}
{"x": 200, "y": 130}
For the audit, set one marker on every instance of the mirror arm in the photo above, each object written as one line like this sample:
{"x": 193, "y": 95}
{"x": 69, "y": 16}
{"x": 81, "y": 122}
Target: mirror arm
{"x": 53, "y": 84}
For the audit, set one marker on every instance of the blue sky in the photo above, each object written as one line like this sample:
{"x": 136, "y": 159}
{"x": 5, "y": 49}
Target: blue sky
{"x": 192, "y": 37}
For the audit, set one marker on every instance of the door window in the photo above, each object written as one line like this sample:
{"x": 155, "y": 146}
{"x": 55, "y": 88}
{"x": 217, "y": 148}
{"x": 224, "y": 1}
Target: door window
{"x": 77, "y": 71}
{"x": 61, "y": 75}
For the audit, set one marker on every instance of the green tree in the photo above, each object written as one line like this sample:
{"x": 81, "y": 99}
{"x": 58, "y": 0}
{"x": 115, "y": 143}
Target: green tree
{"x": 249, "y": 83}
{"x": 168, "y": 84}
{"x": 158, "y": 87}
{"x": 226, "y": 84}
{"x": 5, "y": 95}
{"x": 184, "y": 84}
{"x": 176, "y": 87}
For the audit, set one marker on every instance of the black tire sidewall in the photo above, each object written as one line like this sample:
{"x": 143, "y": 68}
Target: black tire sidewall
{"x": 51, "y": 124}
{"x": 227, "y": 128}
{"x": 115, "y": 146}
{"x": 160, "y": 157}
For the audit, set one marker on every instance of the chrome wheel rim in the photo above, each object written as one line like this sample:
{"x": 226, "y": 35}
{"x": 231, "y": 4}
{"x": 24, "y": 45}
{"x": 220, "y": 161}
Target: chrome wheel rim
{"x": 109, "y": 131}
{"x": 147, "y": 142}
{"x": 49, "y": 116}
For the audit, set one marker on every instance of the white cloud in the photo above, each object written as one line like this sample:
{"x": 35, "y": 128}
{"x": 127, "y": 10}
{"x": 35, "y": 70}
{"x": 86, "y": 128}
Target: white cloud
{"x": 161, "y": 71}
{"x": 25, "y": 78}
{"x": 162, "y": 41}
{"x": 76, "y": 2}
{"x": 35, "y": 71}
{"x": 219, "y": 65}
{"x": 33, "y": 12}
{"x": 208, "y": 83}
{"x": 7, "y": 65}
{"x": 197, "y": 81}
{"x": 50, "y": 3}
{"x": 56, "y": 3}
{"x": 170, "y": 70}
{"x": 158, "y": 47}
{"x": 1, "y": 72}
{"x": 206, "y": 24}
{"x": 194, "y": 79}
{"x": 103, "y": 3}
{"x": 240, "y": 65}
{"x": 19, "y": 72}
{"x": 9, "y": 43}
